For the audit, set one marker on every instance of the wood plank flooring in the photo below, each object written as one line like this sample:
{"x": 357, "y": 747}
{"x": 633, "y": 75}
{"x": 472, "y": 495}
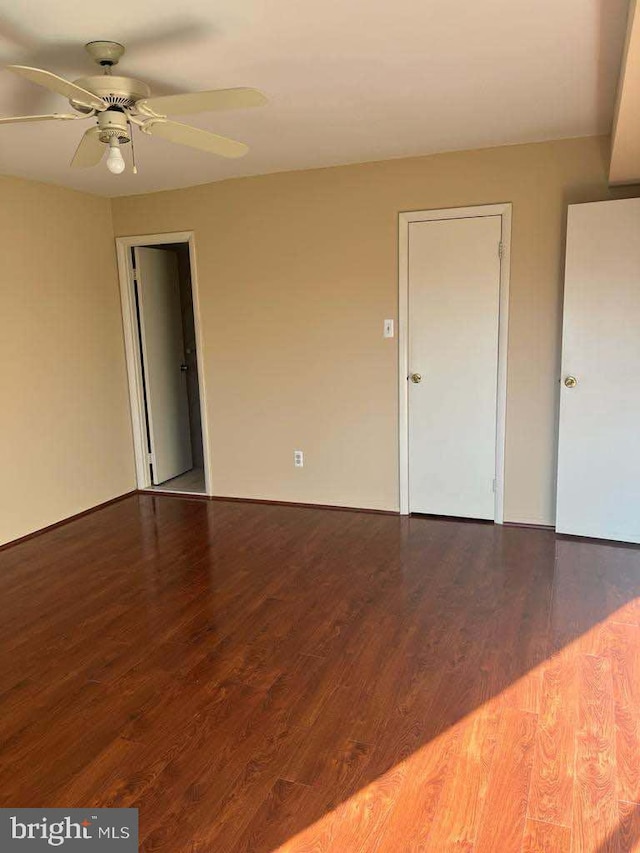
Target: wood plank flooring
{"x": 265, "y": 678}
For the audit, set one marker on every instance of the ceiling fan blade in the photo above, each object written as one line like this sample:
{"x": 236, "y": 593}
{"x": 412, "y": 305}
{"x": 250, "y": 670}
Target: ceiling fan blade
{"x": 60, "y": 85}
{"x": 90, "y": 150}
{"x": 60, "y": 116}
{"x": 201, "y": 102}
{"x": 194, "y": 137}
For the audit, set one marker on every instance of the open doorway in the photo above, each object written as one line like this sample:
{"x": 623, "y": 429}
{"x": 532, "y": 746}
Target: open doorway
{"x": 160, "y": 313}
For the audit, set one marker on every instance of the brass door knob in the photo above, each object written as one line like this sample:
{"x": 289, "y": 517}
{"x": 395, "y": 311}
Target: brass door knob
{"x": 415, "y": 378}
{"x": 570, "y": 381}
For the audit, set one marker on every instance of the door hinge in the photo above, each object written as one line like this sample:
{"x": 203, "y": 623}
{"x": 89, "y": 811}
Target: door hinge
{"x": 500, "y": 249}
{"x": 494, "y": 485}
{"x": 150, "y": 458}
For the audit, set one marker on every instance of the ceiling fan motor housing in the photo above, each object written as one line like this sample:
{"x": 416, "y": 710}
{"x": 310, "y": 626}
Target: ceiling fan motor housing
{"x": 121, "y": 92}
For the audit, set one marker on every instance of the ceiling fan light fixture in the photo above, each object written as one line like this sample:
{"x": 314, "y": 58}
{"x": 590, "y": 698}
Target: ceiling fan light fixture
{"x": 115, "y": 160}
{"x": 117, "y": 104}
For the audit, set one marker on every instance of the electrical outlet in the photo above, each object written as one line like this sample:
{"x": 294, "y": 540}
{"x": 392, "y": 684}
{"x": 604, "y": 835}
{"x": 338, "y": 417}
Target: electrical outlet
{"x": 298, "y": 458}
{"x": 387, "y": 331}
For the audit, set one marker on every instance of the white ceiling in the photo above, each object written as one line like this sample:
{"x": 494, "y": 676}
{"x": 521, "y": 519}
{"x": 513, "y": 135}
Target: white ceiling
{"x": 347, "y": 80}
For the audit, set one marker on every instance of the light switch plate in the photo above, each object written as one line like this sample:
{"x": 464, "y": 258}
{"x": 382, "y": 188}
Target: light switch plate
{"x": 388, "y": 329}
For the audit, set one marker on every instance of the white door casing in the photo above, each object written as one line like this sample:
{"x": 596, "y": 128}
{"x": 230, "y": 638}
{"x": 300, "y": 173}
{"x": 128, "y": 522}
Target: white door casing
{"x": 158, "y": 288}
{"x": 598, "y": 492}
{"x": 454, "y": 275}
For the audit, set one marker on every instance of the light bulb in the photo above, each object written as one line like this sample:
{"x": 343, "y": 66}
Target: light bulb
{"x": 115, "y": 160}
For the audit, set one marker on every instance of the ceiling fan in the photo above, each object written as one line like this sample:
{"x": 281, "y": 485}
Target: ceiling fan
{"x": 119, "y": 103}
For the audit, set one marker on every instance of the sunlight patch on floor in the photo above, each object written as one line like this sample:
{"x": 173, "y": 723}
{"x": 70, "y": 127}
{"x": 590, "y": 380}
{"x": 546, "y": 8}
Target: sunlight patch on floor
{"x": 539, "y": 757}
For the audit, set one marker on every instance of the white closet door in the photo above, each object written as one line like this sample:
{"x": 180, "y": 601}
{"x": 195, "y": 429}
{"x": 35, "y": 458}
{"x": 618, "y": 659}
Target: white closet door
{"x": 599, "y": 446}
{"x": 454, "y": 300}
{"x": 163, "y": 357}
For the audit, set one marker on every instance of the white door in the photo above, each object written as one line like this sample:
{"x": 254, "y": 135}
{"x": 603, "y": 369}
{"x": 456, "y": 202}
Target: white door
{"x": 454, "y": 302}
{"x": 163, "y": 357}
{"x": 599, "y": 449}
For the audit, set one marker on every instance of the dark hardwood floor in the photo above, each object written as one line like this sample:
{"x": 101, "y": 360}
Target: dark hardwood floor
{"x": 262, "y": 678}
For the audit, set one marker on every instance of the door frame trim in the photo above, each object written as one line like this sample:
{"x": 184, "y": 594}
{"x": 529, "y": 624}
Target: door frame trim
{"x": 503, "y": 210}
{"x": 132, "y": 349}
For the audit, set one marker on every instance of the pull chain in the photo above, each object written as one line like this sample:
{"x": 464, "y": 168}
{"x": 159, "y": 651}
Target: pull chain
{"x": 134, "y": 168}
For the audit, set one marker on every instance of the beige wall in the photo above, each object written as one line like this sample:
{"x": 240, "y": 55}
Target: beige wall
{"x": 64, "y": 421}
{"x": 297, "y": 272}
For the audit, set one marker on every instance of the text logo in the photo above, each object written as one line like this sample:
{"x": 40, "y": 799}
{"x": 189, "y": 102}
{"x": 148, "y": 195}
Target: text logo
{"x": 79, "y": 830}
